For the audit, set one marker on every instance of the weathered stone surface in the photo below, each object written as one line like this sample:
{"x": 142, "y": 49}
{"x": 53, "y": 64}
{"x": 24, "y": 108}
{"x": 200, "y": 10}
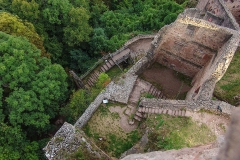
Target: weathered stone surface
{"x": 67, "y": 140}
{"x": 178, "y": 105}
{"x": 199, "y": 153}
{"x": 90, "y": 111}
{"x": 120, "y": 90}
{"x": 230, "y": 149}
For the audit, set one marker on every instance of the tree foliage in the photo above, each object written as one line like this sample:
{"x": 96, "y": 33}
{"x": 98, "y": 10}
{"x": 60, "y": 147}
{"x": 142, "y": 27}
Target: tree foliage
{"x": 25, "y": 9}
{"x": 13, "y": 25}
{"x": 80, "y": 61}
{"x": 31, "y": 90}
{"x": 78, "y": 29}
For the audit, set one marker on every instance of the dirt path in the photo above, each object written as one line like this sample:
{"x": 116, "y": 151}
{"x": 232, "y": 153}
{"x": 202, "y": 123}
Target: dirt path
{"x": 123, "y": 122}
{"x": 217, "y": 123}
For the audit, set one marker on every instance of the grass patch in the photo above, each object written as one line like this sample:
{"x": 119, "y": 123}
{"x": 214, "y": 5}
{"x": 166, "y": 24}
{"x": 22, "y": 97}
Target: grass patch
{"x": 147, "y": 95}
{"x": 187, "y": 80}
{"x": 170, "y": 132}
{"x": 114, "y": 72}
{"x": 81, "y": 154}
{"x": 105, "y": 125}
{"x": 229, "y": 85}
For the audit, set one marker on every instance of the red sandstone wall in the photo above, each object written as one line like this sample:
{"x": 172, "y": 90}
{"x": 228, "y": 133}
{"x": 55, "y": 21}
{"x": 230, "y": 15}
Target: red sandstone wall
{"x": 187, "y": 48}
{"x": 216, "y": 8}
{"x": 234, "y": 7}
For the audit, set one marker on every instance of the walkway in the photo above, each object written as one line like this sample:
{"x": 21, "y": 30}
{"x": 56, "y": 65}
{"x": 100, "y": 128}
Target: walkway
{"x": 141, "y": 87}
{"x": 135, "y": 50}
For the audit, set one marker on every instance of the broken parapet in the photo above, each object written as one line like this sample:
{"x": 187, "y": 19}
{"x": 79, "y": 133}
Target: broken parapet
{"x": 67, "y": 140}
{"x": 139, "y": 37}
{"x": 90, "y": 111}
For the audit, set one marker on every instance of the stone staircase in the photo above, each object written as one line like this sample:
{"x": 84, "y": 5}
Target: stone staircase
{"x": 143, "y": 111}
{"x": 108, "y": 64}
{"x": 156, "y": 93}
{"x": 140, "y": 87}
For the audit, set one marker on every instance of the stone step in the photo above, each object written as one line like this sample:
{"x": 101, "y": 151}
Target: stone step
{"x": 102, "y": 69}
{"x": 155, "y": 110}
{"x": 183, "y": 113}
{"x": 139, "y": 114}
{"x": 147, "y": 110}
{"x": 90, "y": 83}
{"x": 105, "y": 67}
{"x": 96, "y": 74}
{"x": 159, "y": 95}
{"x": 87, "y": 86}
{"x": 143, "y": 109}
{"x": 93, "y": 78}
{"x": 164, "y": 111}
{"x": 112, "y": 62}
{"x": 109, "y": 64}
{"x": 150, "y": 110}
{"x": 140, "y": 109}
{"x": 170, "y": 112}
{"x": 137, "y": 118}
{"x": 153, "y": 91}
{"x": 178, "y": 113}
{"x": 128, "y": 112}
{"x": 160, "y": 110}
{"x": 150, "y": 89}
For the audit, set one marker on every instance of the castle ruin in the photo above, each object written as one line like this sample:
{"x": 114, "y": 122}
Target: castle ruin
{"x": 200, "y": 44}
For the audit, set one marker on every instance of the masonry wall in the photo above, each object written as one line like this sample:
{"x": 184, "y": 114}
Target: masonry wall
{"x": 234, "y": 7}
{"x": 218, "y": 9}
{"x": 214, "y": 71}
{"x": 187, "y": 48}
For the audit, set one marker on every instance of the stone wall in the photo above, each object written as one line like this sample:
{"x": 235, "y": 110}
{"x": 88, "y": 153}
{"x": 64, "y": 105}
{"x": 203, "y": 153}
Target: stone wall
{"x": 187, "y": 105}
{"x": 196, "y": 48}
{"x": 203, "y": 87}
{"x": 234, "y": 7}
{"x": 138, "y": 37}
{"x": 219, "y": 9}
{"x": 67, "y": 140}
{"x": 90, "y": 111}
{"x": 189, "y": 44}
